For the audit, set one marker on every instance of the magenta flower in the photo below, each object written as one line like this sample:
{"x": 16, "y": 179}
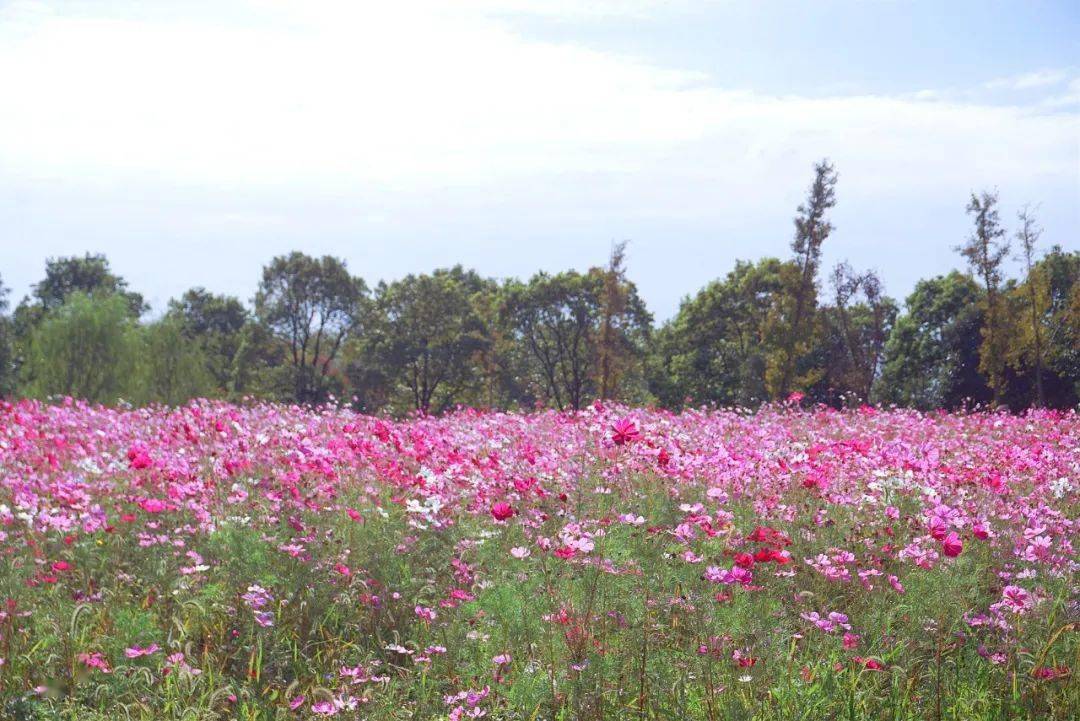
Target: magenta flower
{"x": 136, "y": 652}
{"x": 152, "y": 505}
{"x": 624, "y": 431}
{"x": 952, "y": 545}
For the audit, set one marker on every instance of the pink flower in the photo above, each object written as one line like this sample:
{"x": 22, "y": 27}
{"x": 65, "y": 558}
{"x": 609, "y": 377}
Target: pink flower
{"x": 1017, "y": 599}
{"x": 501, "y": 511}
{"x": 519, "y": 552}
{"x": 1050, "y": 673}
{"x": 895, "y": 583}
{"x": 428, "y": 614}
{"x": 324, "y": 708}
{"x": 95, "y": 660}
{"x": 624, "y": 431}
{"x": 152, "y": 505}
{"x": 257, "y": 596}
{"x": 138, "y": 458}
{"x": 296, "y": 703}
{"x": 952, "y": 545}
{"x": 136, "y": 652}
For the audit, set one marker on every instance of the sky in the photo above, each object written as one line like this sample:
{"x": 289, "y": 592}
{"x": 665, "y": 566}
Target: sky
{"x": 193, "y": 140}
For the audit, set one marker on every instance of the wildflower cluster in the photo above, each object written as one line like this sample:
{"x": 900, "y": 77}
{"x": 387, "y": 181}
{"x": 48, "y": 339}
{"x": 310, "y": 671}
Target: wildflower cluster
{"x": 275, "y": 562}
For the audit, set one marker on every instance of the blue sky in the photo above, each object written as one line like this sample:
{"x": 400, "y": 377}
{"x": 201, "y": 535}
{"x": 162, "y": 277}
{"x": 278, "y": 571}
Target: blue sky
{"x": 192, "y": 141}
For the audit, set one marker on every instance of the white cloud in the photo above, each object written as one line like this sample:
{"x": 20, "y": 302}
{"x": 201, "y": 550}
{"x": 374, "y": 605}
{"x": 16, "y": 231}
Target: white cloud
{"x": 1068, "y": 98}
{"x": 408, "y": 96}
{"x": 1028, "y": 81}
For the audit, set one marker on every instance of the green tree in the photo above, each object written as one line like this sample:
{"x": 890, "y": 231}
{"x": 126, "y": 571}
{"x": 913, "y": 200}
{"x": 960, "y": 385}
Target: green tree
{"x": 1034, "y": 293}
{"x": 558, "y": 320}
{"x": 863, "y": 318}
{"x": 425, "y": 338}
{"x": 796, "y": 321}
{"x": 87, "y": 348}
{"x": 984, "y": 251}
{"x": 215, "y": 324}
{"x": 313, "y": 305}
{"x": 931, "y": 358}
{"x": 715, "y": 349}
{"x": 502, "y": 361}
{"x": 172, "y": 368}
{"x": 612, "y": 348}
{"x": 7, "y": 346}
{"x": 89, "y": 274}
{"x": 259, "y": 367}
{"x": 1058, "y": 277}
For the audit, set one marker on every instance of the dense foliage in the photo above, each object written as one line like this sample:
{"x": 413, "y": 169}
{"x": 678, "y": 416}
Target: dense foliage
{"x": 435, "y": 341}
{"x": 217, "y": 561}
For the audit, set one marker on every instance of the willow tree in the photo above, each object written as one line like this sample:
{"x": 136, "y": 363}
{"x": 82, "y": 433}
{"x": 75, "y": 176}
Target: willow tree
{"x": 86, "y": 348}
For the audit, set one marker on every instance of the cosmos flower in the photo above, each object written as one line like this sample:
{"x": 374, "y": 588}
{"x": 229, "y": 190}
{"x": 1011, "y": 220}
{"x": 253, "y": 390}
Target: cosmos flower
{"x": 136, "y": 652}
{"x": 952, "y": 545}
{"x": 624, "y": 431}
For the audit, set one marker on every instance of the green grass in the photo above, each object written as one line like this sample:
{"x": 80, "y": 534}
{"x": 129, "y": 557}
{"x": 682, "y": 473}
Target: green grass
{"x": 628, "y": 647}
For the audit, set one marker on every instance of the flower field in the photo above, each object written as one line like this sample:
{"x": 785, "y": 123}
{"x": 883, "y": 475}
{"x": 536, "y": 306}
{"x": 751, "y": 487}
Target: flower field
{"x": 262, "y": 561}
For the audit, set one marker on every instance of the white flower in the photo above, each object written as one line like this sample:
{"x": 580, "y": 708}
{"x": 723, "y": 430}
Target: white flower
{"x": 1060, "y": 487}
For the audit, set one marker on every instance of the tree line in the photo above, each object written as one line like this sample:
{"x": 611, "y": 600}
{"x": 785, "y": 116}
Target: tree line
{"x": 768, "y": 329}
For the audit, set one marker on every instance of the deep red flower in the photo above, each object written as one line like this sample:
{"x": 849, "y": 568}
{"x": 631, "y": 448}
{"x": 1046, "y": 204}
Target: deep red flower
{"x": 502, "y": 511}
{"x": 769, "y": 536}
{"x": 1049, "y": 673}
{"x": 744, "y": 560}
{"x": 760, "y": 533}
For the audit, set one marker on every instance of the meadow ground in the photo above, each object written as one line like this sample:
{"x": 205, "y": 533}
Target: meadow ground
{"x": 267, "y": 562}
